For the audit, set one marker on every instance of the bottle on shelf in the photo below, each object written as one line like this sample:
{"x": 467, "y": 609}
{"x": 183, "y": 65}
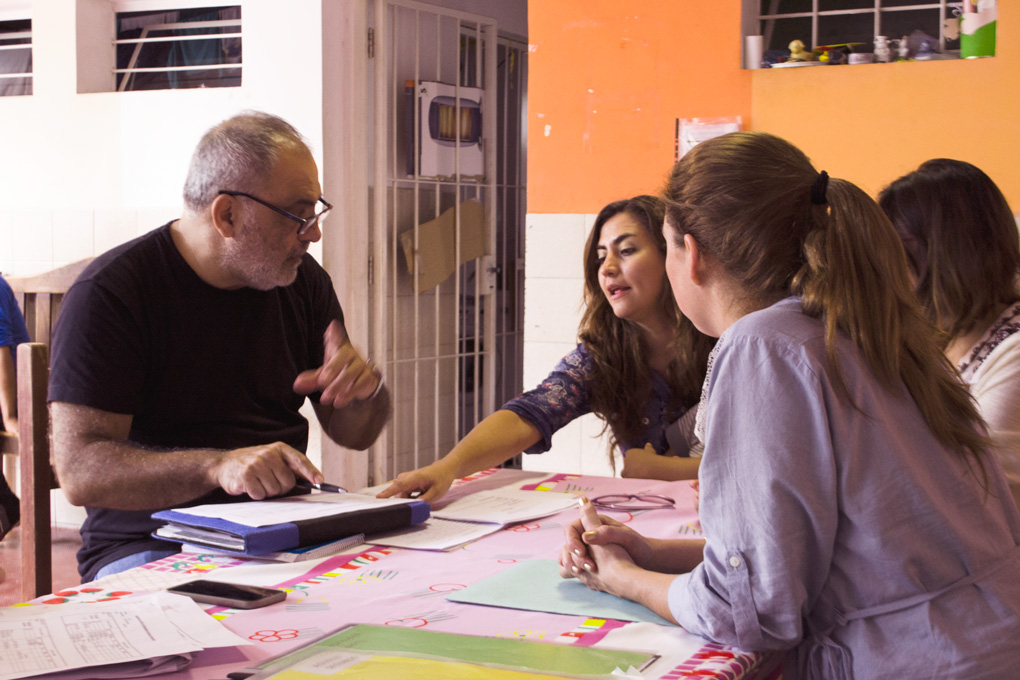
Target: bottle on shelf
{"x": 902, "y": 49}
{"x": 882, "y": 51}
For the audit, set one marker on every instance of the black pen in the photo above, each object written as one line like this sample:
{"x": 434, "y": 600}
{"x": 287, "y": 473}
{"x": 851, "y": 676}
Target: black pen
{"x": 323, "y": 486}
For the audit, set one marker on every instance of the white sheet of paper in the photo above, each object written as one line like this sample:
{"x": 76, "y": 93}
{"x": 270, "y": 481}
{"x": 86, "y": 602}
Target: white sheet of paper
{"x": 265, "y": 574}
{"x": 505, "y": 506}
{"x": 48, "y": 638}
{"x": 290, "y": 509}
{"x": 475, "y": 515}
{"x": 435, "y": 534}
{"x": 191, "y": 619}
{"x": 510, "y": 479}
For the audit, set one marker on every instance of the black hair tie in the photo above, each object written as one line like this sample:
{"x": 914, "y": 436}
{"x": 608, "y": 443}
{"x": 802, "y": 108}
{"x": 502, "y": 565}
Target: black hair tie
{"x": 818, "y": 188}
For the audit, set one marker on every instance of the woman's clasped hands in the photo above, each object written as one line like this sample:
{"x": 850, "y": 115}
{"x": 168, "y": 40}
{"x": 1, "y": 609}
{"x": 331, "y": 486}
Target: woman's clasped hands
{"x": 609, "y": 556}
{"x": 599, "y": 551}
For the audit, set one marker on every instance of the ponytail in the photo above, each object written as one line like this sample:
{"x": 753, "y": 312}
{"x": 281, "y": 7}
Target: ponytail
{"x": 854, "y": 278}
{"x": 856, "y": 290}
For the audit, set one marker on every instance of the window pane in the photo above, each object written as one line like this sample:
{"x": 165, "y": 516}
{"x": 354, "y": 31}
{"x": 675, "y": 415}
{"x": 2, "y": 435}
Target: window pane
{"x": 829, "y": 5}
{"x": 16, "y": 60}
{"x": 785, "y": 6}
{"x": 906, "y": 3}
{"x": 847, "y": 28}
{"x": 185, "y": 54}
{"x": 897, "y": 24}
{"x": 784, "y": 31}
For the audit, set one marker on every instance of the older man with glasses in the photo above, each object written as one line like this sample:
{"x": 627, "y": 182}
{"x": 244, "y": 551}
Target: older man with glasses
{"x": 180, "y": 359}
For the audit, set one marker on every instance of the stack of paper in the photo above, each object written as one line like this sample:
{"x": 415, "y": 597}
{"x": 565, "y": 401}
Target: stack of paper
{"x": 312, "y": 552}
{"x": 278, "y": 524}
{"x": 476, "y": 515}
{"x": 127, "y": 638}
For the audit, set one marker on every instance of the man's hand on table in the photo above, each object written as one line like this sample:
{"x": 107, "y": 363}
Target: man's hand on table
{"x": 263, "y": 471}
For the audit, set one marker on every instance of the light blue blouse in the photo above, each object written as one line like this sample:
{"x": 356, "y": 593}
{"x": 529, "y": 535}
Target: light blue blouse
{"x": 848, "y": 536}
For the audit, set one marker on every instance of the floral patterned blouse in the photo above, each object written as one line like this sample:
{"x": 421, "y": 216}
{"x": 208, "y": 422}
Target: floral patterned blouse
{"x": 1006, "y": 325}
{"x": 991, "y": 370}
{"x": 565, "y": 395}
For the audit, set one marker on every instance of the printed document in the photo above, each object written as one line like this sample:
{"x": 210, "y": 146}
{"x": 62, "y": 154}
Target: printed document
{"x": 290, "y": 509}
{"x": 47, "y": 638}
{"x": 475, "y": 515}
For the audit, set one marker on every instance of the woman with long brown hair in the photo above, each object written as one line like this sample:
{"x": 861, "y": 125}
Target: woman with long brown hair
{"x": 639, "y": 366}
{"x": 964, "y": 252}
{"x": 852, "y": 516}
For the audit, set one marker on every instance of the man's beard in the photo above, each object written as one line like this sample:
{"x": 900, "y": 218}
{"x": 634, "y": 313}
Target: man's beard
{"x": 245, "y": 257}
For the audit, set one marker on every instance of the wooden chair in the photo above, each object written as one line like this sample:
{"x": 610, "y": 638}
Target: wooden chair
{"x": 39, "y": 297}
{"x": 37, "y": 476}
{"x": 8, "y": 443}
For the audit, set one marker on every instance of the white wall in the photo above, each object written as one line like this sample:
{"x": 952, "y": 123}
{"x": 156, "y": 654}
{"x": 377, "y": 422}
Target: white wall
{"x": 553, "y": 295}
{"x": 83, "y": 172}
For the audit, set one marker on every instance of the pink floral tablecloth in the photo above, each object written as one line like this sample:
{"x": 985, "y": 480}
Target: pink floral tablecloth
{"x": 398, "y": 587}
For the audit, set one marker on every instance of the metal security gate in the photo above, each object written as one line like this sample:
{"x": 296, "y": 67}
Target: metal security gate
{"x": 447, "y": 209}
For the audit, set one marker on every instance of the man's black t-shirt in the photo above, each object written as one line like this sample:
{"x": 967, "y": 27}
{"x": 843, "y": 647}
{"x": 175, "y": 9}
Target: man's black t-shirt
{"x": 195, "y": 366}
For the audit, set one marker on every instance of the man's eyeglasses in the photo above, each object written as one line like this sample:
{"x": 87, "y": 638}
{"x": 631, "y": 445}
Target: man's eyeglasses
{"x": 306, "y": 223}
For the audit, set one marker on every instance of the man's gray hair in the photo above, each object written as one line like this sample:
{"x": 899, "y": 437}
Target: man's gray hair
{"x": 237, "y": 155}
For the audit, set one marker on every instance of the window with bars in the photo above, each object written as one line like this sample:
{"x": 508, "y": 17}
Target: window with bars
{"x": 838, "y": 22}
{"x": 184, "y": 48}
{"x": 15, "y": 58}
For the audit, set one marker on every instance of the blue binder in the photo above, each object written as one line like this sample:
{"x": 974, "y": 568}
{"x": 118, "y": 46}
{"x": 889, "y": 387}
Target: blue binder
{"x": 222, "y": 533}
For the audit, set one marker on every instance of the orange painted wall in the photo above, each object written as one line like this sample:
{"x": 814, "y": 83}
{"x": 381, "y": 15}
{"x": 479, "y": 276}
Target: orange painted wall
{"x": 610, "y": 78}
{"x": 607, "y": 81}
{"x": 872, "y": 123}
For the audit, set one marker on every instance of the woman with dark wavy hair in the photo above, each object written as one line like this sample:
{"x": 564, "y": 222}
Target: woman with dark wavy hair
{"x": 964, "y": 252}
{"x": 639, "y": 366}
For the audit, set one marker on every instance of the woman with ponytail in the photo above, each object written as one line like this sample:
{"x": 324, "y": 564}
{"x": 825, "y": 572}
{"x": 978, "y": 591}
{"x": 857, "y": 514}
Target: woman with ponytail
{"x": 639, "y": 366}
{"x": 852, "y": 515}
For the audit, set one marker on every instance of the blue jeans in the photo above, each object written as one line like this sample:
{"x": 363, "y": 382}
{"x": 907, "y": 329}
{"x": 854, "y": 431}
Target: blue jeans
{"x": 136, "y": 560}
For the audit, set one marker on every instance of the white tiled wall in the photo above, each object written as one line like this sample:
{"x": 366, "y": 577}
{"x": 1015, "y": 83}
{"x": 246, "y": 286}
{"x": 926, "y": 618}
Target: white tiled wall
{"x": 553, "y": 296}
{"x": 37, "y": 240}
{"x": 43, "y": 239}
{"x": 73, "y": 234}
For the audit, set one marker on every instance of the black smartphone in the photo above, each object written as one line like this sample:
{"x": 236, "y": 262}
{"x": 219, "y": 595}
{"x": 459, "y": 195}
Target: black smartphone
{"x": 229, "y": 594}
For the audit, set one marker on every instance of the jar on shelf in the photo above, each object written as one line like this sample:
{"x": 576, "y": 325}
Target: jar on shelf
{"x": 883, "y": 53}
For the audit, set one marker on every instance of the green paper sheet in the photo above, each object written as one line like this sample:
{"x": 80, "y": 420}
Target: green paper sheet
{"x": 508, "y": 653}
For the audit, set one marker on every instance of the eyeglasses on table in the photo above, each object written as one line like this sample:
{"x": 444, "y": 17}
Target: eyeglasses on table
{"x": 633, "y": 501}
